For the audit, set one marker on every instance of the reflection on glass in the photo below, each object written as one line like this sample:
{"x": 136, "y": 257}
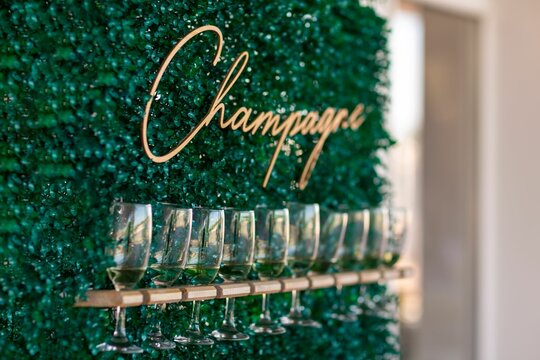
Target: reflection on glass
{"x": 301, "y": 255}
{"x": 204, "y": 258}
{"x": 168, "y": 258}
{"x": 235, "y": 265}
{"x": 271, "y": 240}
{"x": 131, "y": 235}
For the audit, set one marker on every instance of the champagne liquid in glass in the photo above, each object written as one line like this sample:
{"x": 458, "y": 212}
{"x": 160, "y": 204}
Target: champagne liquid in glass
{"x": 322, "y": 266}
{"x": 234, "y": 272}
{"x": 164, "y": 275}
{"x": 195, "y": 274}
{"x": 372, "y": 261}
{"x": 390, "y": 259}
{"x": 124, "y": 277}
{"x": 349, "y": 263}
{"x": 268, "y": 269}
{"x": 300, "y": 266}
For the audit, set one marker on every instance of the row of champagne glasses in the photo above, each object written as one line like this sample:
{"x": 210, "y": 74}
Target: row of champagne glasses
{"x": 195, "y": 245}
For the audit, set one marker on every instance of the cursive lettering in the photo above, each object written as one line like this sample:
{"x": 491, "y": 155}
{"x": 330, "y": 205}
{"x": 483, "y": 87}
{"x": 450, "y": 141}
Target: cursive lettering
{"x": 265, "y": 122}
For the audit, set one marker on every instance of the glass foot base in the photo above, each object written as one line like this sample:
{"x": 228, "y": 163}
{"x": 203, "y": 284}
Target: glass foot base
{"x": 369, "y": 309}
{"x": 270, "y": 328}
{"x": 300, "y": 321}
{"x": 344, "y": 317}
{"x": 159, "y": 342}
{"x": 193, "y": 338}
{"x": 356, "y": 309}
{"x": 123, "y": 348}
{"x": 229, "y": 334}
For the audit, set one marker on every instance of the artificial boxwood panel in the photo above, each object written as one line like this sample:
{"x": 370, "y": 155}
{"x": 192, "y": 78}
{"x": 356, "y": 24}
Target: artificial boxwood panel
{"x": 74, "y": 79}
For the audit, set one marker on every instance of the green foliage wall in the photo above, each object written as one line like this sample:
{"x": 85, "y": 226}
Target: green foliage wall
{"x": 74, "y": 79}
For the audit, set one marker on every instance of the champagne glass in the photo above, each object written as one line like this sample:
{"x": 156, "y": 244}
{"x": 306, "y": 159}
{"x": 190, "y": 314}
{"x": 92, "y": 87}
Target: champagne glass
{"x": 272, "y": 238}
{"x": 350, "y": 257}
{"x": 131, "y": 235}
{"x": 301, "y": 255}
{"x": 168, "y": 258}
{"x": 387, "y": 306}
{"x": 377, "y": 237}
{"x": 237, "y": 259}
{"x": 204, "y": 257}
{"x": 374, "y": 251}
{"x": 396, "y": 239}
{"x": 333, "y": 226}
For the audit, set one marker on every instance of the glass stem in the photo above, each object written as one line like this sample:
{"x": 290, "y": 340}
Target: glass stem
{"x": 265, "y": 313}
{"x": 360, "y": 298}
{"x": 156, "y": 329}
{"x": 340, "y": 300}
{"x": 296, "y": 307}
{"x": 229, "y": 313}
{"x": 368, "y": 299}
{"x": 119, "y": 334}
{"x": 361, "y": 295}
{"x": 194, "y": 323}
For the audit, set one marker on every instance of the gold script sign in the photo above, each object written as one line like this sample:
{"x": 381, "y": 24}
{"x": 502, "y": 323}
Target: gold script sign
{"x": 295, "y": 123}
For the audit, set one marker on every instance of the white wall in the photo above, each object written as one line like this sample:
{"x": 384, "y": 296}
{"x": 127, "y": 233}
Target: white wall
{"x": 508, "y": 299}
{"x": 449, "y": 178}
{"x": 405, "y": 118}
{"x": 472, "y": 7}
{"x": 510, "y": 186}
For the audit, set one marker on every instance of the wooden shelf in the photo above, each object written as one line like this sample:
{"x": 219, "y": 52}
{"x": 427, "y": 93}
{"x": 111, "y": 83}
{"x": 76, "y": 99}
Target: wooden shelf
{"x": 112, "y": 298}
